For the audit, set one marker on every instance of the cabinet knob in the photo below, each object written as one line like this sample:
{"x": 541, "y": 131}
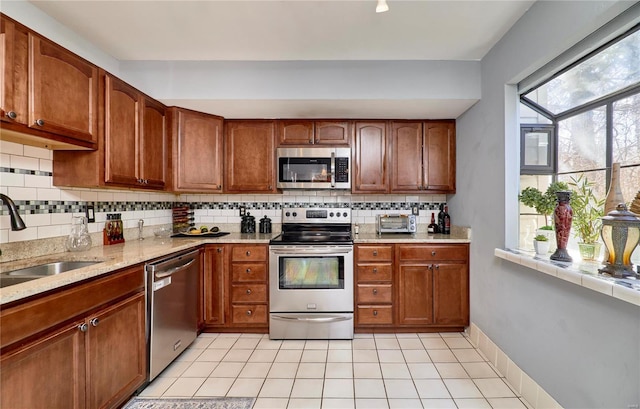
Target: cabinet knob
{"x": 433, "y": 253}
{"x": 375, "y": 270}
{"x": 375, "y": 253}
{"x": 83, "y": 327}
{"x": 437, "y": 266}
{"x": 39, "y": 122}
{"x": 11, "y": 115}
{"x": 270, "y": 187}
{"x": 375, "y": 291}
{"x": 248, "y": 271}
{"x": 219, "y": 187}
{"x": 219, "y": 249}
{"x": 375, "y": 313}
{"x": 310, "y": 140}
{"x": 249, "y": 312}
{"x": 248, "y": 291}
{"x": 248, "y": 253}
{"x": 94, "y": 322}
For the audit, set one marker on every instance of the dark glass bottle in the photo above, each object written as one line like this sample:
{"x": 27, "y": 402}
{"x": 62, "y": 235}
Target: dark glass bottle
{"x": 447, "y": 221}
{"x": 441, "y": 219}
{"x": 433, "y": 227}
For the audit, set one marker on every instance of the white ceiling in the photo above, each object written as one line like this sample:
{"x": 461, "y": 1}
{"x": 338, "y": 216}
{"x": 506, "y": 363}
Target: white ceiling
{"x": 294, "y": 30}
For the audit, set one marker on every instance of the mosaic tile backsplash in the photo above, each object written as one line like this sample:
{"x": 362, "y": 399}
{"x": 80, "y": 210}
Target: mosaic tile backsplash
{"x": 26, "y": 176}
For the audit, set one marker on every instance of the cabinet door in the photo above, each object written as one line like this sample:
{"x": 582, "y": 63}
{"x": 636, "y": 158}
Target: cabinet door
{"x": 14, "y": 41}
{"x": 370, "y": 157}
{"x": 249, "y": 154}
{"x": 293, "y": 132}
{"x": 214, "y": 284}
{"x": 63, "y": 91}
{"x": 153, "y": 144}
{"x": 116, "y": 352}
{"x": 121, "y": 132}
{"x": 197, "y": 152}
{"x": 440, "y": 157}
{"x": 415, "y": 295}
{"x": 49, "y": 373}
{"x": 406, "y": 156}
{"x": 451, "y": 293}
{"x": 333, "y": 133}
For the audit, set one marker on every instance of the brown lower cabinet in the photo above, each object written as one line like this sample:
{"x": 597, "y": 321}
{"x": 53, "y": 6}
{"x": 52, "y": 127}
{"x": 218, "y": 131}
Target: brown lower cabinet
{"x": 79, "y": 347}
{"x": 407, "y": 287}
{"x": 235, "y": 288}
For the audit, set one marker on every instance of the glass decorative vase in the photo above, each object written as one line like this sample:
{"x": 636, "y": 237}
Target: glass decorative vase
{"x": 562, "y": 217}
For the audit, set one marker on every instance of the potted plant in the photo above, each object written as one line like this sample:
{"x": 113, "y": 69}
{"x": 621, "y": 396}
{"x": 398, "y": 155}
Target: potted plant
{"x": 541, "y": 244}
{"x": 544, "y": 204}
{"x": 587, "y": 213}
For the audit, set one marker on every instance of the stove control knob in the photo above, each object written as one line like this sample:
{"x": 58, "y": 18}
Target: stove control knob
{"x": 287, "y": 214}
{"x": 344, "y": 214}
{"x": 331, "y": 214}
{"x": 295, "y": 214}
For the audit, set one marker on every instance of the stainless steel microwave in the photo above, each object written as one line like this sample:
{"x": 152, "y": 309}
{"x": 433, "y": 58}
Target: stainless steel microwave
{"x": 314, "y": 168}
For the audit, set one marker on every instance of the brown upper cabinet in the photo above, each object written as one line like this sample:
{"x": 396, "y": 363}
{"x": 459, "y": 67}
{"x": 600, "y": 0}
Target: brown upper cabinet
{"x": 249, "y": 156}
{"x": 307, "y": 132}
{"x": 422, "y": 157}
{"x": 197, "y": 151}
{"x": 370, "y": 158}
{"x": 48, "y": 96}
{"x": 133, "y": 144}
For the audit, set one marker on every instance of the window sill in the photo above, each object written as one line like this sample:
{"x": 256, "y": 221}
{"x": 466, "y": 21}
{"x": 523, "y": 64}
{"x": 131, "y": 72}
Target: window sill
{"x": 581, "y": 273}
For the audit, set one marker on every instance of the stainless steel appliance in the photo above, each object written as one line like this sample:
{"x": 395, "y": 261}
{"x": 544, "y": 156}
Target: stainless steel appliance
{"x": 172, "y": 308}
{"x": 396, "y": 223}
{"x": 314, "y": 168}
{"x": 311, "y": 275}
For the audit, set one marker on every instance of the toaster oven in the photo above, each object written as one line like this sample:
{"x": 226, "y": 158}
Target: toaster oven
{"x": 397, "y": 223}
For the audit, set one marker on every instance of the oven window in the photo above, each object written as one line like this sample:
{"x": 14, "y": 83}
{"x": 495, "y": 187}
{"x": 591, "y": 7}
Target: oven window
{"x": 312, "y": 273}
{"x": 305, "y": 170}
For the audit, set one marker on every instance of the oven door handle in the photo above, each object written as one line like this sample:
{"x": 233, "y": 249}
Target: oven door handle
{"x": 311, "y": 251}
{"x": 311, "y": 319}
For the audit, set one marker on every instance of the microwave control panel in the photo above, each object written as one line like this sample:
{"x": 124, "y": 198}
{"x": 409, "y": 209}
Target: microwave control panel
{"x": 342, "y": 169}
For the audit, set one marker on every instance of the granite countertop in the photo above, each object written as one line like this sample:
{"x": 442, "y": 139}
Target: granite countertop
{"x": 112, "y": 258}
{"x": 454, "y": 237}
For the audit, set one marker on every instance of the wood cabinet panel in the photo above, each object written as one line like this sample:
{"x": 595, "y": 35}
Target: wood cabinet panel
{"x": 374, "y": 315}
{"x": 451, "y": 294}
{"x": 374, "y": 253}
{"x": 249, "y": 314}
{"x": 48, "y": 373}
{"x": 333, "y": 132}
{"x": 250, "y": 156}
{"x": 121, "y": 132}
{"x": 249, "y": 253}
{"x": 374, "y": 293}
{"x": 214, "y": 284}
{"x": 433, "y": 252}
{"x": 153, "y": 144}
{"x": 370, "y": 158}
{"x": 249, "y": 272}
{"x": 406, "y": 156}
{"x": 415, "y": 295}
{"x": 295, "y": 132}
{"x": 63, "y": 90}
{"x": 440, "y": 157}
{"x": 249, "y": 293}
{"x": 197, "y": 151}
{"x": 116, "y": 351}
{"x": 374, "y": 272}
{"x": 14, "y": 44}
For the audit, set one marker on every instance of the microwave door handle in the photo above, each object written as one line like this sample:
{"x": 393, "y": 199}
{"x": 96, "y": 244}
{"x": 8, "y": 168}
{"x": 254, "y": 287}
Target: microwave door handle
{"x": 333, "y": 169}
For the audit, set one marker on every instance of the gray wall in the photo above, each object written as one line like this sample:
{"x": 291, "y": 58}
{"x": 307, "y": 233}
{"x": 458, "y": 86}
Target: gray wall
{"x": 582, "y": 347}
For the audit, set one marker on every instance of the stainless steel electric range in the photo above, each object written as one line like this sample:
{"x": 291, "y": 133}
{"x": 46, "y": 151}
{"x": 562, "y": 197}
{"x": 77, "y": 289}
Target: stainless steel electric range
{"x": 311, "y": 275}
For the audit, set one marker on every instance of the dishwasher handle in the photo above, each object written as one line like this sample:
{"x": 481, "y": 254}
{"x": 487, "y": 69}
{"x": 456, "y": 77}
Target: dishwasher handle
{"x": 167, "y": 273}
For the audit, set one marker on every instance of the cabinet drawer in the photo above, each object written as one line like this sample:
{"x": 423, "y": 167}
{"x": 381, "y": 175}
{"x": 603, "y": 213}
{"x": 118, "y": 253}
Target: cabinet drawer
{"x": 249, "y": 314}
{"x": 249, "y": 253}
{"x": 374, "y": 253}
{"x": 248, "y": 272}
{"x": 249, "y": 293}
{"x": 374, "y": 293}
{"x": 374, "y": 272}
{"x": 432, "y": 253}
{"x": 375, "y": 314}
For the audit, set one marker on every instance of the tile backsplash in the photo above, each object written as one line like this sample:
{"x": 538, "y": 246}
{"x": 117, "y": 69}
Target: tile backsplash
{"x": 26, "y": 175}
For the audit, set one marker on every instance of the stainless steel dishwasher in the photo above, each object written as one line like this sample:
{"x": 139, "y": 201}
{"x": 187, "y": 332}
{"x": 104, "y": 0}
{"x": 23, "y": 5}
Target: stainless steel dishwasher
{"x": 172, "y": 295}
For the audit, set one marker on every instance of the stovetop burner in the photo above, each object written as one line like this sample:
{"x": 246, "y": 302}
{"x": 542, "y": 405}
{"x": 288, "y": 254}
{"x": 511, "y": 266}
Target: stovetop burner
{"x": 315, "y": 226}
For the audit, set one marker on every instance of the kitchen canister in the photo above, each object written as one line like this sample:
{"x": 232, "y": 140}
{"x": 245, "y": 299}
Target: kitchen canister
{"x": 248, "y": 224}
{"x": 265, "y": 225}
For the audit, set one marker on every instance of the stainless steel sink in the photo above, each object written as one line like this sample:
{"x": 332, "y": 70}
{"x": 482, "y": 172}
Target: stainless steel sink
{"x": 32, "y": 273}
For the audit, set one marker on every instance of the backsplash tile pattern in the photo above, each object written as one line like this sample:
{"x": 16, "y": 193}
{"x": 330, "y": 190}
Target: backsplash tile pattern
{"x": 26, "y": 175}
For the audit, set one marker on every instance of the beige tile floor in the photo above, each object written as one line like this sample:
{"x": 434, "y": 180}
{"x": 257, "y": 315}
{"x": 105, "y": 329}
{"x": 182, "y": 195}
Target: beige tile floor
{"x": 370, "y": 372}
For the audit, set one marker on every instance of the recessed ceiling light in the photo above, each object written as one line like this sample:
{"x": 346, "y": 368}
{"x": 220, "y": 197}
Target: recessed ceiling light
{"x": 382, "y": 6}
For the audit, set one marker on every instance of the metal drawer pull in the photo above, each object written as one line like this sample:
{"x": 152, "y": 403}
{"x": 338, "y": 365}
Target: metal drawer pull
{"x": 433, "y": 253}
{"x": 83, "y": 327}
{"x": 316, "y": 319}
{"x": 249, "y": 312}
{"x": 375, "y": 252}
{"x": 249, "y": 291}
{"x": 12, "y": 115}
{"x": 39, "y": 122}
{"x": 248, "y": 253}
{"x": 94, "y": 322}
{"x": 375, "y": 313}
{"x": 375, "y": 270}
{"x": 248, "y": 271}
{"x": 437, "y": 266}
{"x": 375, "y": 291}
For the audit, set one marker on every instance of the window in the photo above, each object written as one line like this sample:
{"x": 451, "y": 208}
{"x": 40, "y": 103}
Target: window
{"x": 587, "y": 117}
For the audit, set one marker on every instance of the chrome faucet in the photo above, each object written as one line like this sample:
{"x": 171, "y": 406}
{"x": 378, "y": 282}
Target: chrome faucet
{"x": 16, "y": 221}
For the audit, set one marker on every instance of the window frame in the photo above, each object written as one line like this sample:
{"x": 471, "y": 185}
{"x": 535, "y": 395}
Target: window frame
{"x": 552, "y": 150}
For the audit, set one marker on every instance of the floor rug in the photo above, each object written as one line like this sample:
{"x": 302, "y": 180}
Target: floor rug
{"x": 197, "y": 403}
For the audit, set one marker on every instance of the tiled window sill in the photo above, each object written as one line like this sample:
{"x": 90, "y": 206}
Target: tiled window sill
{"x": 584, "y": 274}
